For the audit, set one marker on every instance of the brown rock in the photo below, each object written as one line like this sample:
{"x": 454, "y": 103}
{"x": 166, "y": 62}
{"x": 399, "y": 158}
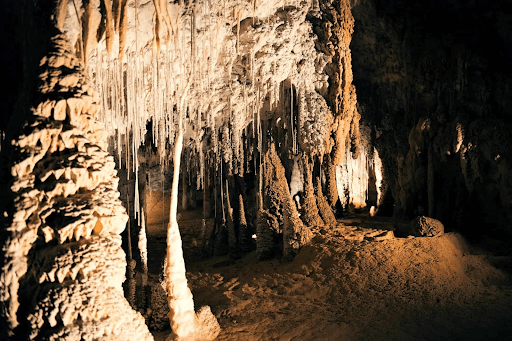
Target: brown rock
{"x": 426, "y": 227}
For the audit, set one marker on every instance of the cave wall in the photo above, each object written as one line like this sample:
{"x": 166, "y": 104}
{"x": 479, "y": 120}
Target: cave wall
{"x": 433, "y": 80}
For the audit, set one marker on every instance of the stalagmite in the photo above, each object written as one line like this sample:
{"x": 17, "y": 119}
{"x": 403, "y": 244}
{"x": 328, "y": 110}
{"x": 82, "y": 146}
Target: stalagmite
{"x": 243, "y": 232}
{"x": 143, "y": 249}
{"x": 63, "y": 261}
{"x": 323, "y": 206}
{"x": 264, "y": 222}
{"x": 185, "y": 324}
{"x": 295, "y": 233}
{"x": 310, "y": 215}
{"x": 234, "y": 249}
{"x": 330, "y": 174}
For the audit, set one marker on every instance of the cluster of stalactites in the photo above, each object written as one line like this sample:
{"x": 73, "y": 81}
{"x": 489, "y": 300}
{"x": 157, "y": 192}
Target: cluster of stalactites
{"x": 357, "y": 177}
{"x": 222, "y": 65}
{"x": 233, "y": 57}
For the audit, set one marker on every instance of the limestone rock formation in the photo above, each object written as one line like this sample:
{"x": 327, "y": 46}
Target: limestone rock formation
{"x": 310, "y": 215}
{"x": 282, "y": 216}
{"x": 426, "y": 227}
{"x": 324, "y": 208}
{"x": 410, "y": 71}
{"x": 63, "y": 265}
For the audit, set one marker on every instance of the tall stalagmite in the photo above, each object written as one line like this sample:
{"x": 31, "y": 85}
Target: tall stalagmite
{"x": 324, "y": 208}
{"x": 310, "y": 215}
{"x": 185, "y": 324}
{"x": 282, "y": 208}
{"x": 63, "y": 264}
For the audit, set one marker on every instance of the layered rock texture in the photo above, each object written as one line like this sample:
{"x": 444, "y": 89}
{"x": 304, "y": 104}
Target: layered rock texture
{"x": 62, "y": 261}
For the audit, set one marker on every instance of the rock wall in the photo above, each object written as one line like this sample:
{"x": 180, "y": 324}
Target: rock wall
{"x": 434, "y": 87}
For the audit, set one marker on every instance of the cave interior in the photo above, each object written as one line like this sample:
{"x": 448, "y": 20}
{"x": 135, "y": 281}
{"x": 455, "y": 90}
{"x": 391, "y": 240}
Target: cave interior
{"x": 256, "y": 170}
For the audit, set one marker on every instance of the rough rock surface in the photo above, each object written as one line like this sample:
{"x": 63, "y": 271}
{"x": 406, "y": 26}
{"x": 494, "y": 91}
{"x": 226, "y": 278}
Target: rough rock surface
{"x": 427, "y": 227}
{"x": 63, "y": 265}
{"x": 324, "y": 208}
{"x": 283, "y": 212}
{"x": 310, "y": 213}
{"x": 433, "y": 62}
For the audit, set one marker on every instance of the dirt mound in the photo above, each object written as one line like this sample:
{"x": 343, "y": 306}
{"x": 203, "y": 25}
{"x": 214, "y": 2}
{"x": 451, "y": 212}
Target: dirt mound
{"x": 359, "y": 289}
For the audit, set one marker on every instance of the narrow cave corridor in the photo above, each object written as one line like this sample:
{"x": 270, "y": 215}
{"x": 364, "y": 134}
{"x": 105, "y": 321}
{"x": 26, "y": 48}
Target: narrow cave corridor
{"x": 256, "y": 170}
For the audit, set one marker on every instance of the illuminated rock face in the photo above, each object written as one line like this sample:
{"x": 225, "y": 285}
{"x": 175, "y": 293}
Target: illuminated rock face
{"x": 243, "y": 75}
{"x": 63, "y": 265}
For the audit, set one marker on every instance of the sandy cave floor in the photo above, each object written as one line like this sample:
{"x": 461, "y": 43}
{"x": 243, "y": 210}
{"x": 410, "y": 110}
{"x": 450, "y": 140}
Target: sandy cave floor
{"x": 353, "y": 282}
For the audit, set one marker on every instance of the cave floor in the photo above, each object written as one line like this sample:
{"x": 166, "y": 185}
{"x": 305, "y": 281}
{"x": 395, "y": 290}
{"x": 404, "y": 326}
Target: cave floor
{"x": 354, "y": 282}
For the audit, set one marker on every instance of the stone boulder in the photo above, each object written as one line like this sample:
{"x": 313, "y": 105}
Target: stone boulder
{"x": 426, "y": 227}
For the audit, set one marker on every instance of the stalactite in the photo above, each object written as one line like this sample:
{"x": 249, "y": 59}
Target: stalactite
{"x": 227, "y": 151}
{"x": 136, "y": 200}
{"x": 91, "y": 21}
{"x": 355, "y": 135}
{"x": 310, "y": 215}
{"x": 193, "y": 70}
{"x": 116, "y": 6}
{"x": 147, "y": 84}
{"x": 158, "y": 22}
{"x": 123, "y": 28}
{"x": 109, "y": 23}
{"x": 200, "y": 175}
